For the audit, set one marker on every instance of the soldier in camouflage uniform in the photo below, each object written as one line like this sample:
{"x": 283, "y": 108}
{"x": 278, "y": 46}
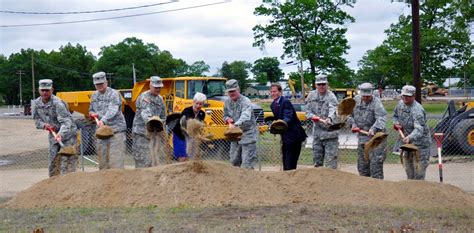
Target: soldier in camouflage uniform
{"x": 321, "y": 105}
{"x": 106, "y": 105}
{"x": 369, "y": 115}
{"x": 149, "y": 104}
{"x": 410, "y": 117}
{"x": 52, "y": 114}
{"x": 239, "y": 112}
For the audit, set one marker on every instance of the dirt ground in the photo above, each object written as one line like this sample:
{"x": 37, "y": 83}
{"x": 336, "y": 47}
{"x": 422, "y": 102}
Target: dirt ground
{"x": 13, "y": 133}
{"x": 208, "y": 183}
{"x": 215, "y": 197}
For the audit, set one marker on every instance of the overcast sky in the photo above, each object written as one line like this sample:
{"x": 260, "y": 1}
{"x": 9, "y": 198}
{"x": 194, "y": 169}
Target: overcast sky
{"x": 214, "y": 33}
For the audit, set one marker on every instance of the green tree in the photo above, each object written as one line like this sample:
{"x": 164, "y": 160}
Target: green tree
{"x": 148, "y": 60}
{"x": 197, "y": 69}
{"x": 267, "y": 69}
{"x": 237, "y": 70}
{"x": 319, "y": 25}
{"x": 70, "y": 67}
{"x": 444, "y": 41}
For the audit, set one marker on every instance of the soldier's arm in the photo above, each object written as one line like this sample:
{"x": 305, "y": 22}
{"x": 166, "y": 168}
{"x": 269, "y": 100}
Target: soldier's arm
{"x": 246, "y": 114}
{"x": 113, "y": 107}
{"x": 64, "y": 118}
{"x": 396, "y": 120}
{"x": 163, "y": 109}
{"x": 226, "y": 111}
{"x": 144, "y": 105}
{"x": 332, "y": 107}
{"x": 380, "y": 116}
{"x": 419, "y": 122}
{"x": 38, "y": 121}
{"x": 307, "y": 107}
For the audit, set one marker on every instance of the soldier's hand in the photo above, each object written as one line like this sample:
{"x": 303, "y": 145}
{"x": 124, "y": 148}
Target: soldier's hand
{"x": 58, "y": 138}
{"x": 101, "y": 123}
{"x": 229, "y": 121}
{"x": 397, "y": 127}
{"x": 49, "y": 127}
{"x": 355, "y": 129}
{"x": 406, "y": 140}
{"x": 93, "y": 115}
{"x": 371, "y": 132}
{"x": 315, "y": 118}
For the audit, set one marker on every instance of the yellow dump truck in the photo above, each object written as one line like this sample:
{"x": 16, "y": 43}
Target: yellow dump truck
{"x": 178, "y": 94}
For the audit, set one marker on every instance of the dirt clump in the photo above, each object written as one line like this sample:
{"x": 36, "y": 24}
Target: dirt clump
{"x": 205, "y": 183}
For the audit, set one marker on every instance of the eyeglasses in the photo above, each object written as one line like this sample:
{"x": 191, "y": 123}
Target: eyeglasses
{"x": 321, "y": 84}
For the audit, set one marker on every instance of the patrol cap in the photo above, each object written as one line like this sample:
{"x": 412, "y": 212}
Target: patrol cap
{"x": 320, "y": 79}
{"x": 45, "y": 84}
{"x": 231, "y": 85}
{"x": 99, "y": 77}
{"x": 366, "y": 89}
{"x": 408, "y": 90}
{"x": 156, "y": 81}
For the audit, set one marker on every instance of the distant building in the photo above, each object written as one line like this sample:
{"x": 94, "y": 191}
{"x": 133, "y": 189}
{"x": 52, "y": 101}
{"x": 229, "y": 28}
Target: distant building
{"x": 257, "y": 91}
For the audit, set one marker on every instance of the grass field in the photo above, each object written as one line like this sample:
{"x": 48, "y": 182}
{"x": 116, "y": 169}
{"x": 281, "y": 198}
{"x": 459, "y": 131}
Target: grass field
{"x": 295, "y": 217}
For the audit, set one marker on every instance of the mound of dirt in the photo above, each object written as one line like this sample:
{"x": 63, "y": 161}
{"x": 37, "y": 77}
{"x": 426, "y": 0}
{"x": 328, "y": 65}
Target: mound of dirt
{"x": 203, "y": 183}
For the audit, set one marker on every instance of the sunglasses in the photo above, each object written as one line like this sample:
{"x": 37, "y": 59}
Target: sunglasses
{"x": 321, "y": 84}
{"x": 45, "y": 90}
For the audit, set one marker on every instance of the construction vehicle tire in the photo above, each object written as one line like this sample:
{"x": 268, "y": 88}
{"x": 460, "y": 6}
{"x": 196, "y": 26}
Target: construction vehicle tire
{"x": 464, "y": 135}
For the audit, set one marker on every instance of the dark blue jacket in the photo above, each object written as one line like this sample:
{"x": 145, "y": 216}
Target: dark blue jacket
{"x": 286, "y": 112}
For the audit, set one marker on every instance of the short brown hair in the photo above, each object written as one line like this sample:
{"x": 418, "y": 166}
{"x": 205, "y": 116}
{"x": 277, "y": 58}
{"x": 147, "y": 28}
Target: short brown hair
{"x": 277, "y": 85}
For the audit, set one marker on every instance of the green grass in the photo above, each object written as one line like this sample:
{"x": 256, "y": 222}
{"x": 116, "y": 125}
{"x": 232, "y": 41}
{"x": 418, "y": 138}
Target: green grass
{"x": 294, "y": 217}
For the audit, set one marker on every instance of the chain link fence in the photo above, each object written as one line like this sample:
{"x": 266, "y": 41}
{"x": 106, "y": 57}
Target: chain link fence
{"x": 458, "y": 169}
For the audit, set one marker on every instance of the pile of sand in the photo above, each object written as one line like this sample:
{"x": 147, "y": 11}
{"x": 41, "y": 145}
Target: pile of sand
{"x": 214, "y": 184}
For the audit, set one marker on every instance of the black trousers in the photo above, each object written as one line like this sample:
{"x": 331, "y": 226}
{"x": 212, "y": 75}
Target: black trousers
{"x": 291, "y": 153}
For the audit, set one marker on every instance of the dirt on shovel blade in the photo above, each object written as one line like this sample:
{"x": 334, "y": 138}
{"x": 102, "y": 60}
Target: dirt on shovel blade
{"x": 104, "y": 132}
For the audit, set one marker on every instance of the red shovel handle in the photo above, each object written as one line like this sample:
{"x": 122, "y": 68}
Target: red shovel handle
{"x": 439, "y": 138}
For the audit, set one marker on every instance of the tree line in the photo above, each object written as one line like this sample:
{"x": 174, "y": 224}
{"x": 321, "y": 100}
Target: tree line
{"x": 72, "y": 66}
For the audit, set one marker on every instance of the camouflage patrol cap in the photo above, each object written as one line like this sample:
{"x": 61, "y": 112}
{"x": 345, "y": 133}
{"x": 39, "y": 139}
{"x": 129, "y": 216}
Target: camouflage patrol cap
{"x": 408, "y": 90}
{"x": 156, "y": 81}
{"x": 366, "y": 89}
{"x": 320, "y": 79}
{"x": 45, "y": 84}
{"x": 99, "y": 77}
{"x": 231, "y": 85}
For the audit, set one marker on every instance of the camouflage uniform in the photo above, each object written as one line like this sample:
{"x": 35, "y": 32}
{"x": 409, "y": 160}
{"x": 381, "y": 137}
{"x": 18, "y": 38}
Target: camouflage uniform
{"x": 370, "y": 117}
{"x": 148, "y": 105}
{"x": 413, "y": 121}
{"x": 109, "y": 108}
{"x": 244, "y": 152}
{"x": 325, "y": 142}
{"x": 56, "y": 113}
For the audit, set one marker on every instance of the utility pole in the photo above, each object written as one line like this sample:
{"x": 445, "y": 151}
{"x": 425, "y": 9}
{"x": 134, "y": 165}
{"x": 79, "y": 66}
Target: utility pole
{"x": 33, "y": 75}
{"x": 415, "y": 17}
{"x": 301, "y": 69}
{"x": 20, "y": 73}
{"x": 134, "y": 75}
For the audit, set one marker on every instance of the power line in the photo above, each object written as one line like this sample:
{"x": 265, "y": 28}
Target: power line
{"x": 85, "y": 12}
{"x": 62, "y": 68}
{"x": 83, "y": 74}
{"x": 117, "y": 17}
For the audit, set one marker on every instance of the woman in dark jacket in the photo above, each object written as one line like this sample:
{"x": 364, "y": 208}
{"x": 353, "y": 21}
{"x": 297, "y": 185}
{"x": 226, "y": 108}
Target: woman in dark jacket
{"x": 192, "y": 112}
